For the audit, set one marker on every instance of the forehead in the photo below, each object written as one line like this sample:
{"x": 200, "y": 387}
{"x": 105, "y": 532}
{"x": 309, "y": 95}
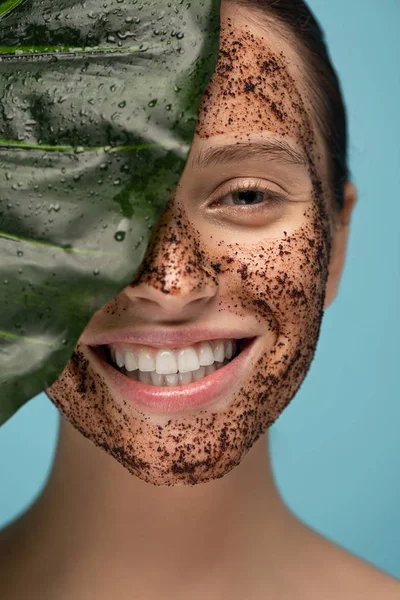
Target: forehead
{"x": 258, "y": 85}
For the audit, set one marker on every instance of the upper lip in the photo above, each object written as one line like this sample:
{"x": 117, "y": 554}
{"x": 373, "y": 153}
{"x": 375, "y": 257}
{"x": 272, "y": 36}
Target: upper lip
{"x": 164, "y": 339}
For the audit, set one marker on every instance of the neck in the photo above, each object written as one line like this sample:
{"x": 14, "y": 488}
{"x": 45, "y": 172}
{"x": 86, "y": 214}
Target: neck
{"x": 101, "y": 526}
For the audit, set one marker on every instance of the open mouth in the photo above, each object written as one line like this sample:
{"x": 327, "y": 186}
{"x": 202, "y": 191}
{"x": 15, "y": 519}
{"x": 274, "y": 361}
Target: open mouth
{"x": 167, "y": 367}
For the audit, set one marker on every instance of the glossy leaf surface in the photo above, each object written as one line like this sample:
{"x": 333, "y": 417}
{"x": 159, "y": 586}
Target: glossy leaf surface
{"x": 99, "y": 103}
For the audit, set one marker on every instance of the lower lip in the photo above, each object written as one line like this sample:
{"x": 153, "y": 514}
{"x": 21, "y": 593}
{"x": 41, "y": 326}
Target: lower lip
{"x": 176, "y": 399}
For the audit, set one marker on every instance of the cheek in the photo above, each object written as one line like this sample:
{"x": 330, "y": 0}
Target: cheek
{"x": 282, "y": 283}
{"x": 282, "y": 278}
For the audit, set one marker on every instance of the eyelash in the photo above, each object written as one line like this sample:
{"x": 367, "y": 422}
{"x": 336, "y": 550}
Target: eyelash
{"x": 274, "y": 198}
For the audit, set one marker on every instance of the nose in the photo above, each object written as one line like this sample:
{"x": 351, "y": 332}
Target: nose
{"x": 151, "y": 304}
{"x": 176, "y": 280}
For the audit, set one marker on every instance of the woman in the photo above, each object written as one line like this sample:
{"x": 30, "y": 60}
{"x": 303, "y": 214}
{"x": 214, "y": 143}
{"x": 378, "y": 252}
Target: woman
{"x": 179, "y": 377}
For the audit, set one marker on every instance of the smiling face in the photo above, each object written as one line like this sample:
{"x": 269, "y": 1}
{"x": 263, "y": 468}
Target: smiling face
{"x": 244, "y": 246}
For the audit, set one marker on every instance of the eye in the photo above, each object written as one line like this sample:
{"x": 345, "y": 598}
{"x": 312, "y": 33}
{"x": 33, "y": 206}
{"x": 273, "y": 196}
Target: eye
{"x": 249, "y": 193}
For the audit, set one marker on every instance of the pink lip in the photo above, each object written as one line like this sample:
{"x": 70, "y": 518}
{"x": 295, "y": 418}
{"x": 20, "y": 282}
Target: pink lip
{"x": 176, "y": 399}
{"x": 164, "y": 339}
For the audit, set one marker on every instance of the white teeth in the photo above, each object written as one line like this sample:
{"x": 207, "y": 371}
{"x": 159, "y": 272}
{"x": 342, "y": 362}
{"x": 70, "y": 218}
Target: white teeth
{"x": 187, "y": 360}
{"x": 228, "y": 349}
{"x": 210, "y": 369}
{"x": 131, "y": 361}
{"x": 119, "y": 358}
{"x": 167, "y": 366}
{"x": 185, "y": 378}
{"x": 219, "y": 350}
{"x": 172, "y": 379}
{"x": 205, "y": 354}
{"x": 166, "y": 362}
{"x": 146, "y": 360}
{"x": 199, "y": 374}
{"x": 156, "y": 378}
{"x": 144, "y": 377}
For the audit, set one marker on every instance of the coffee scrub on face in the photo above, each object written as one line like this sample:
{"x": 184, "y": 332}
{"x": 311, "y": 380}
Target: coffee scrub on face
{"x": 259, "y": 268}
{"x": 168, "y": 397}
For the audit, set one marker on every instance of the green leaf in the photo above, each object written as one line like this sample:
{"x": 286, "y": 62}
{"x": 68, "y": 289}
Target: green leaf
{"x": 98, "y": 107}
{"x": 8, "y": 5}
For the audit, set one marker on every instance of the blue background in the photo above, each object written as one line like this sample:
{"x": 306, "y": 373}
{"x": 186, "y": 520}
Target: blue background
{"x": 336, "y": 448}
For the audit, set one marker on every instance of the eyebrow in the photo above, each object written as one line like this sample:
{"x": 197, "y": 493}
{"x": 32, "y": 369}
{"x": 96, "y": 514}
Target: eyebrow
{"x": 272, "y": 149}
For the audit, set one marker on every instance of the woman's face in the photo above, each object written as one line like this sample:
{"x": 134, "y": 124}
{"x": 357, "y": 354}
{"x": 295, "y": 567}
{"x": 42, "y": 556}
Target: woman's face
{"x": 241, "y": 251}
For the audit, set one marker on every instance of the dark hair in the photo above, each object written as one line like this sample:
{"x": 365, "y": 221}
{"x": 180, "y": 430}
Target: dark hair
{"x": 296, "y": 16}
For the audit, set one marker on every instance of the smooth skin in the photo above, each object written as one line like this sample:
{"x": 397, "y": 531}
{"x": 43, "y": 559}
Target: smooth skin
{"x": 102, "y": 529}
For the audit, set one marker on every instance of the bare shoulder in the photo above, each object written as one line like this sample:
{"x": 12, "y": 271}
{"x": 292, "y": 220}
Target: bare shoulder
{"x": 360, "y": 580}
{"x": 334, "y": 573}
